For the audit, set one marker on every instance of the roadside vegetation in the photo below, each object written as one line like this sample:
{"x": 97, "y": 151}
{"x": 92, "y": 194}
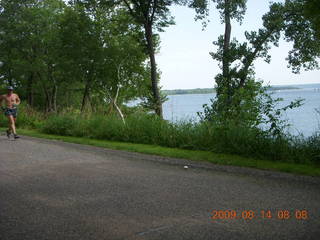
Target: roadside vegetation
{"x": 76, "y": 64}
{"x": 149, "y": 129}
{"x": 216, "y": 158}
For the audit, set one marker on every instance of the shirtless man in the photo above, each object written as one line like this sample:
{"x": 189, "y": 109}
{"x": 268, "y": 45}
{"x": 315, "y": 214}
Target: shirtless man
{"x": 11, "y": 101}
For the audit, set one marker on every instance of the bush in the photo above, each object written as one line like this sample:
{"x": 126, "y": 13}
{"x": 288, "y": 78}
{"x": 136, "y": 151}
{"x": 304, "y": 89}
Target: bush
{"x": 60, "y": 125}
{"x": 103, "y": 127}
{"x": 150, "y": 129}
{"x": 27, "y": 118}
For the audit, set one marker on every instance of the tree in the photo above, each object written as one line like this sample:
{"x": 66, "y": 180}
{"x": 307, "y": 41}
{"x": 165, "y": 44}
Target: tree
{"x": 152, "y": 15}
{"x": 312, "y": 13}
{"x": 104, "y": 49}
{"x": 229, "y": 9}
{"x": 302, "y": 28}
{"x": 236, "y": 85}
{"x": 122, "y": 73}
{"x": 81, "y": 48}
{"x": 80, "y": 56}
{"x": 29, "y": 47}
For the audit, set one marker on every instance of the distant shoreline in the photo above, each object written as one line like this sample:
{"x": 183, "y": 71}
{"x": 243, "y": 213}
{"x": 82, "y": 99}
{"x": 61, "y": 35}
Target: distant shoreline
{"x": 212, "y": 90}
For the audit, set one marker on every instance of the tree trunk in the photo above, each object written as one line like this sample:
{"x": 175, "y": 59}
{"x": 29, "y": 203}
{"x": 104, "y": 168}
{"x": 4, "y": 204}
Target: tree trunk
{"x": 119, "y": 112}
{"x": 154, "y": 80}
{"x": 54, "y": 98}
{"x": 46, "y": 93}
{"x": 54, "y": 90}
{"x": 87, "y": 89}
{"x": 30, "y": 89}
{"x": 117, "y": 107}
{"x": 10, "y": 82}
{"x": 113, "y": 101}
{"x": 226, "y": 50}
{"x": 85, "y": 95}
{"x": 249, "y": 60}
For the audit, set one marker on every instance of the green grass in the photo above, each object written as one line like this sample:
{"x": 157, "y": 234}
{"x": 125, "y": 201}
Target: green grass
{"x": 222, "y": 159}
{"x": 141, "y": 128}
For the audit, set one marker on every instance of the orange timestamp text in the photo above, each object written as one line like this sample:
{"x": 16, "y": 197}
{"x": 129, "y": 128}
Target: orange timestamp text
{"x": 262, "y": 214}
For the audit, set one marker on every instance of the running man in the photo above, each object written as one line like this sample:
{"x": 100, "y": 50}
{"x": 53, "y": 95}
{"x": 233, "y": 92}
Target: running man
{"x": 11, "y": 101}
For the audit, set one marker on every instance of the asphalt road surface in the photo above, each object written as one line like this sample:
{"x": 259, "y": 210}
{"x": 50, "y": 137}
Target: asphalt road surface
{"x": 53, "y": 190}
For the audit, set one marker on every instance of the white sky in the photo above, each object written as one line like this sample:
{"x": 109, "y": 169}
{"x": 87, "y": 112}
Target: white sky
{"x": 184, "y": 58}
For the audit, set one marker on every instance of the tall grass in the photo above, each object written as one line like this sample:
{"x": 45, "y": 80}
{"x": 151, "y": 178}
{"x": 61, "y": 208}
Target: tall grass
{"x": 149, "y": 129}
{"x": 27, "y": 118}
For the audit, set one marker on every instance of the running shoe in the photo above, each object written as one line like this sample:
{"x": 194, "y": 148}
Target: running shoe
{"x": 8, "y": 133}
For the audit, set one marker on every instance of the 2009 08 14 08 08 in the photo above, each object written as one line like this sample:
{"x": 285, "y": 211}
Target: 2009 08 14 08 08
{"x": 263, "y": 214}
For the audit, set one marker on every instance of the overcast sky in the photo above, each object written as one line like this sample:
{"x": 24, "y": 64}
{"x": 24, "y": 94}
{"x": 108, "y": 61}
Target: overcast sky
{"x": 184, "y": 58}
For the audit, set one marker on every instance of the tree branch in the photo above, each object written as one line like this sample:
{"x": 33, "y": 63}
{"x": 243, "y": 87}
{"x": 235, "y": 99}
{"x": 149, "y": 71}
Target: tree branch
{"x": 154, "y": 7}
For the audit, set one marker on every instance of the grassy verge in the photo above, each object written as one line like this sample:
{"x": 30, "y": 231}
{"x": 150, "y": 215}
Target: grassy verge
{"x": 141, "y": 128}
{"x": 222, "y": 159}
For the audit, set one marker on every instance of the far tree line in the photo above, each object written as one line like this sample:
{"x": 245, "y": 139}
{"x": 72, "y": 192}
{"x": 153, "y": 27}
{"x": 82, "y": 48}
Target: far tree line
{"x": 79, "y": 54}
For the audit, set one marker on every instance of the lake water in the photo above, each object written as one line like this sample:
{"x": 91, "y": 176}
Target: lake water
{"x": 303, "y": 120}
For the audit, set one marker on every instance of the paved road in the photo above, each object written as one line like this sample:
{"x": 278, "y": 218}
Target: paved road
{"x": 52, "y": 190}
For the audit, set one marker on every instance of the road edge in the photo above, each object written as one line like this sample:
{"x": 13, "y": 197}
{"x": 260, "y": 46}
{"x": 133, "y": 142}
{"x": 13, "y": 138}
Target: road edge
{"x": 242, "y": 170}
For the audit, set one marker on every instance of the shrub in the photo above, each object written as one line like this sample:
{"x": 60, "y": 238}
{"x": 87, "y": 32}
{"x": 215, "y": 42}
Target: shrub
{"x": 59, "y": 124}
{"x": 27, "y": 118}
{"x": 150, "y": 129}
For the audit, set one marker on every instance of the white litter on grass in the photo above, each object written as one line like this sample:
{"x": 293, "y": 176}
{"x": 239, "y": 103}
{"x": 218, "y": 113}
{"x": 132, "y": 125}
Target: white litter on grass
{"x": 185, "y": 167}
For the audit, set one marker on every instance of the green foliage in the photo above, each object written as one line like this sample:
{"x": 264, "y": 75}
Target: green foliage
{"x": 240, "y": 100}
{"x": 236, "y": 8}
{"x": 78, "y": 55}
{"x": 27, "y": 118}
{"x": 243, "y": 106}
{"x": 251, "y": 107}
{"x": 311, "y": 12}
{"x": 302, "y": 28}
{"x": 156, "y": 12}
{"x": 62, "y": 125}
{"x": 152, "y": 15}
{"x": 223, "y": 159}
{"x": 150, "y": 129}
{"x": 66, "y": 57}
{"x": 229, "y": 138}
{"x": 148, "y": 102}
{"x": 311, "y": 147}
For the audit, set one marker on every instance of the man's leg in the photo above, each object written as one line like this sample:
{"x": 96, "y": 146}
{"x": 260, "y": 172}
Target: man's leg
{"x": 9, "y": 126}
{"x": 6, "y": 113}
{"x": 8, "y": 132}
{"x": 12, "y": 126}
{"x": 15, "y": 129}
